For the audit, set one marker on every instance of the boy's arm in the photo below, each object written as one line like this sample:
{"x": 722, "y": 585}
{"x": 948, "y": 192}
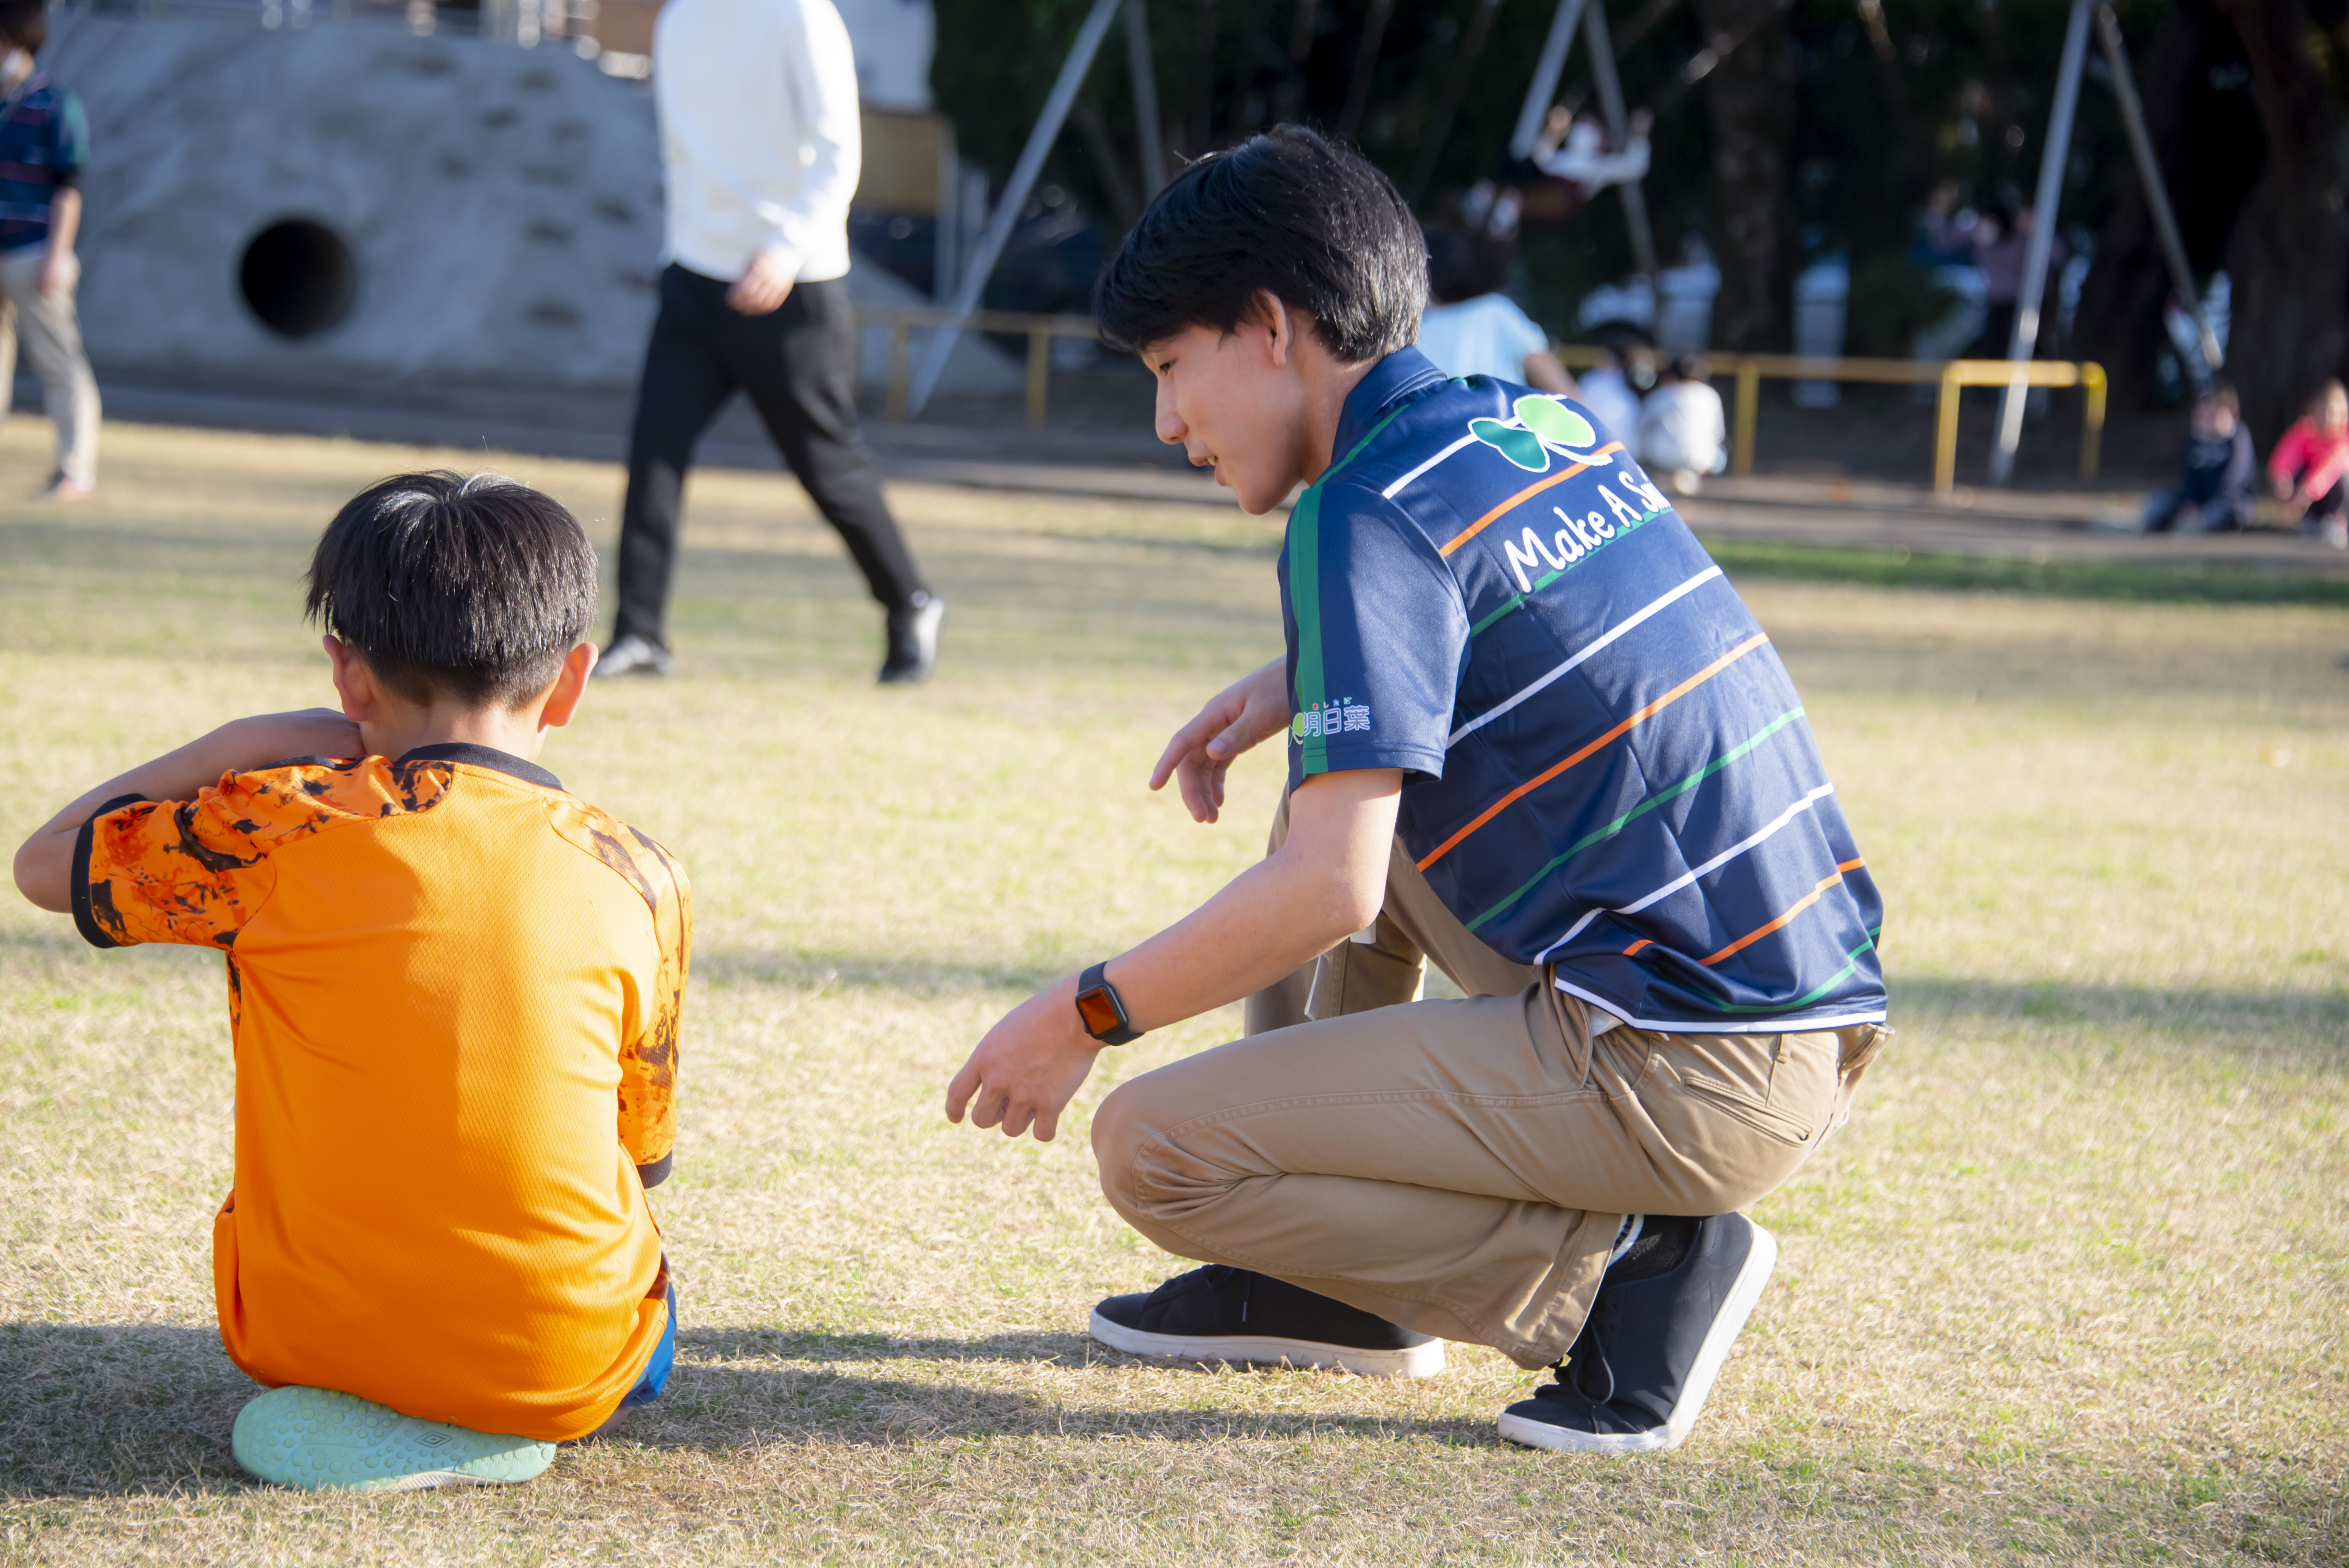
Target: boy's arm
{"x": 44, "y": 866}
{"x": 1326, "y": 882}
{"x": 649, "y": 1064}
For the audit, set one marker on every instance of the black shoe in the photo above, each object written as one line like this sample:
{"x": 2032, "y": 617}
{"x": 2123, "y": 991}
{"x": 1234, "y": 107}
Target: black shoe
{"x": 633, "y": 655}
{"x": 1219, "y": 1314}
{"x": 914, "y": 641}
{"x": 1637, "y": 1378}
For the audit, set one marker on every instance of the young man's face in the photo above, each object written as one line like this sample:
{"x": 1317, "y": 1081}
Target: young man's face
{"x": 1234, "y": 402}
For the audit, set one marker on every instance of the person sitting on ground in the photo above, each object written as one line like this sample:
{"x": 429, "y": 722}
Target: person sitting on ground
{"x": 2308, "y": 465}
{"x": 1474, "y": 329}
{"x": 1611, "y": 389}
{"x": 453, "y": 994}
{"x": 2214, "y": 492}
{"x": 43, "y": 142}
{"x": 1681, "y": 429}
{"x": 1639, "y": 875}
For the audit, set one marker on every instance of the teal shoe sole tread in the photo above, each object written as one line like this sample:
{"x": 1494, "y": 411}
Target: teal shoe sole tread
{"x": 316, "y": 1439}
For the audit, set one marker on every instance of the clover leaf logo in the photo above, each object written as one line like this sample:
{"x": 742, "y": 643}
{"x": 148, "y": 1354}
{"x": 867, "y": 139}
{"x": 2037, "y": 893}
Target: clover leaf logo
{"x": 1542, "y": 426}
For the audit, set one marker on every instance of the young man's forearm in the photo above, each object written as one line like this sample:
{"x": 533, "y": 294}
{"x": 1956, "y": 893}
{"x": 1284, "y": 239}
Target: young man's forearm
{"x": 65, "y": 220}
{"x": 1328, "y": 883}
{"x": 43, "y": 867}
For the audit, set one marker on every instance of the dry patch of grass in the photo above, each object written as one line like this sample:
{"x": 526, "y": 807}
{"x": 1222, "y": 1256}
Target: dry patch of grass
{"x": 2070, "y": 1286}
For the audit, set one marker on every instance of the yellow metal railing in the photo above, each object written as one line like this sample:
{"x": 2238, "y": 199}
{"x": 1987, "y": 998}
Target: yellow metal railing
{"x": 1749, "y": 371}
{"x": 901, "y": 320}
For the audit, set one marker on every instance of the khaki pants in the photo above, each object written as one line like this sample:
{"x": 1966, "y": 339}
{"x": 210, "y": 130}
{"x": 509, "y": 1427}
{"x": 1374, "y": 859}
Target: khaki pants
{"x": 1459, "y": 1168}
{"x": 52, "y": 336}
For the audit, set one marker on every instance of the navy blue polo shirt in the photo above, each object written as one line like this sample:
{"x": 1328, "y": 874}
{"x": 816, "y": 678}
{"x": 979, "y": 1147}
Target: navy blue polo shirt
{"x": 1607, "y": 770}
{"x": 43, "y": 142}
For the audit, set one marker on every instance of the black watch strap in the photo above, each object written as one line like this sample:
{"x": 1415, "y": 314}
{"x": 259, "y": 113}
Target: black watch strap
{"x": 1102, "y": 1010}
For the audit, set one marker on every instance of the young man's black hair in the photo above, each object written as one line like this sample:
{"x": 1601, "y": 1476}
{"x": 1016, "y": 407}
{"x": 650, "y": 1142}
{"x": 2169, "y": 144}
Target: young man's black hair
{"x": 25, "y": 24}
{"x": 1314, "y": 223}
{"x": 472, "y": 587}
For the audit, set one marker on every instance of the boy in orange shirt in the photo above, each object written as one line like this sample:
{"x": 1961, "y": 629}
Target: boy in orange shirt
{"x": 453, "y": 990}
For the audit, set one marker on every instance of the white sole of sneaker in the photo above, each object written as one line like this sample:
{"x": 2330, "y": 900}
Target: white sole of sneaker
{"x": 1710, "y": 1355}
{"x": 1419, "y": 1361}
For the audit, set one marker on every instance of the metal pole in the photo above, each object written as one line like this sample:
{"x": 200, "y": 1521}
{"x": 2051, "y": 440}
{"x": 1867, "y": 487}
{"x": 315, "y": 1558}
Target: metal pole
{"x": 1015, "y": 196}
{"x": 1146, "y": 125}
{"x": 1546, "y": 70}
{"x": 1611, "y": 101}
{"x": 2148, "y": 174}
{"x": 2043, "y": 236}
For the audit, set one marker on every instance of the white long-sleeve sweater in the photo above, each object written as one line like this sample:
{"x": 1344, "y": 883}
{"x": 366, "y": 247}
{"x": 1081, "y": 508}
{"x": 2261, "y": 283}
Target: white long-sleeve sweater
{"x": 758, "y": 132}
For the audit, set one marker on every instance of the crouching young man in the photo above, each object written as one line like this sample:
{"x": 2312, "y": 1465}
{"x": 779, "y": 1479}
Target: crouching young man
{"x": 1533, "y": 735}
{"x": 453, "y": 992}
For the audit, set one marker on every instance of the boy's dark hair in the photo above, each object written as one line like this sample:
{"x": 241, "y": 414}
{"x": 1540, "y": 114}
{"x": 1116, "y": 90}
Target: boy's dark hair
{"x": 1689, "y": 368}
{"x": 1464, "y": 266}
{"x": 1285, "y": 211}
{"x": 25, "y": 24}
{"x": 472, "y": 587}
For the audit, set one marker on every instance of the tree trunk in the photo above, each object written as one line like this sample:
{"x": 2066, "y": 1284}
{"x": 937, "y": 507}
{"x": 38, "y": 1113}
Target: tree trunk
{"x": 1751, "y": 96}
{"x": 2120, "y": 320}
{"x": 2289, "y": 253}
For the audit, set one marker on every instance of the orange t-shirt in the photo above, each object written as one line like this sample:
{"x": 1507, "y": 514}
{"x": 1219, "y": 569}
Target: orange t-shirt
{"x": 454, "y": 992}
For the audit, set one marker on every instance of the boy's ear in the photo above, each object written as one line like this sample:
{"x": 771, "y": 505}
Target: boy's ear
{"x": 570, "y": 686}
{"x": 354, "y": 682}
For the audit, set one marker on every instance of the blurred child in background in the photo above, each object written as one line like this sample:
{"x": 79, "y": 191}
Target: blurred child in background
{"x": 1681, "y": 430}
{"x": 2214, "y": 491}
{"x": 2307, "y": 466}
{"x": 1474, "y": 329}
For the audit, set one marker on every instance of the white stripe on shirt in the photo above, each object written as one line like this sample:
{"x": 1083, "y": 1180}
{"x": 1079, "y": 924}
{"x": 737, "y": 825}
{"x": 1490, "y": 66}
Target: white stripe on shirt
{"x": 1678, "y": 882}
{"x": 1463, "y": 441}
{"x": 1609, "y": 635}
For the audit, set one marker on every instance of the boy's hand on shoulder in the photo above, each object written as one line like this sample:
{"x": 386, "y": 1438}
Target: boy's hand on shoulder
{"x": 1247, "y": 713}
{"x": 267, "y": 737}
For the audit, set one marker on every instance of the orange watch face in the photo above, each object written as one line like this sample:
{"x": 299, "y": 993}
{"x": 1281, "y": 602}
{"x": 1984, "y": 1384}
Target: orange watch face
{"x": 1099, "y": 1011}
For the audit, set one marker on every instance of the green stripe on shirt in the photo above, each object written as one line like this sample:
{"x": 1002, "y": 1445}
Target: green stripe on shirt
{"x": 1641, "y": 809}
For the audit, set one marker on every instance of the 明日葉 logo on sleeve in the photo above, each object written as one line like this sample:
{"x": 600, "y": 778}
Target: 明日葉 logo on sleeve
{"x": 1542, "y": 426}
{"x": 1330, "y": 718}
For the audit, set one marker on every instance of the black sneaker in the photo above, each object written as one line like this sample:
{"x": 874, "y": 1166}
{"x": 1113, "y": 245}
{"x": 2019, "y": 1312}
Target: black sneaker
{"x": 1637, "y": 1376}
{"x": 914, "y": 641}
{"x": 633, "y": 655}
{"x": 1220, "y": 1313}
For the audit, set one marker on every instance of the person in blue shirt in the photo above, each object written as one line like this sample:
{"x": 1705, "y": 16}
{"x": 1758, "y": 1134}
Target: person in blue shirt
{"x": 1533, "y": 735}
{"x": 43, "y": 144}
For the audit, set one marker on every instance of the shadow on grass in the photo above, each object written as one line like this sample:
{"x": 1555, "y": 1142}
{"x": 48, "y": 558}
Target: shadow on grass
{"x": 118, "y": 1410}
{"x": 2221, "y": 1017}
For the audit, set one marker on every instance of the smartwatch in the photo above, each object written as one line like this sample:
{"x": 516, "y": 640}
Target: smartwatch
{"x": 1101, "y": 1009}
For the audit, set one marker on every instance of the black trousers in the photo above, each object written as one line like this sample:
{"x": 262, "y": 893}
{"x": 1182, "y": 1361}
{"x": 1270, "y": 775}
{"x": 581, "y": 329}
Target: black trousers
{"x": 794, "y": 363}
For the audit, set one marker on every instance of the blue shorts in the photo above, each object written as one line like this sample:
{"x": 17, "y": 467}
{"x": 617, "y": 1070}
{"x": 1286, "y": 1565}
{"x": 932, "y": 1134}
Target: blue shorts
{"x": 656, "y": 1370}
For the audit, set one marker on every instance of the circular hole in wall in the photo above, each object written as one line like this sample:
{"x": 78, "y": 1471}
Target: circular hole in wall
{"x": 298, "y": 277}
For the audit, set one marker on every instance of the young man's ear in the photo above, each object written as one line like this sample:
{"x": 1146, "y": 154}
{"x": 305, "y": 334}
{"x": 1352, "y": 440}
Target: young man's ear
{"x": 570, "y": 686}
{"x": 1281, "y": 322}
{"x": 354, "y": 682}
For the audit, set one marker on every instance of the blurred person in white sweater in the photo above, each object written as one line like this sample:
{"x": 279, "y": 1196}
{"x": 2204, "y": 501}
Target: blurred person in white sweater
{"x": 1682, "y": 433}
{"x": 759, "y": 140}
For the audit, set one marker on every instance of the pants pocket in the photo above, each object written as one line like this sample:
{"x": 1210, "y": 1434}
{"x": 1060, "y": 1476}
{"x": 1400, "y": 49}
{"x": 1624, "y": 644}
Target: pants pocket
{"x": 1783, "y": 1085}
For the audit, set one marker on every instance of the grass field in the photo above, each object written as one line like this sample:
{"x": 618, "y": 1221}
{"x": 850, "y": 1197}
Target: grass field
{"x": 2074, "y": 1285}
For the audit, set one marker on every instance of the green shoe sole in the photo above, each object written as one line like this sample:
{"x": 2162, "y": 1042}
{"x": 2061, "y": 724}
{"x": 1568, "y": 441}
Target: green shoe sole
{"x": 316, "y": 1438}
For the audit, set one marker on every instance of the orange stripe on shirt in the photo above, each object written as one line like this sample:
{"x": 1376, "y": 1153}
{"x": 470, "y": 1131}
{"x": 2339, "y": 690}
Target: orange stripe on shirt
{"x": 1530, "y": 785}
{"x": 1531, "y": 490}
{"x": 1643, "y": 941}
{"x": 1755, "y": 935}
